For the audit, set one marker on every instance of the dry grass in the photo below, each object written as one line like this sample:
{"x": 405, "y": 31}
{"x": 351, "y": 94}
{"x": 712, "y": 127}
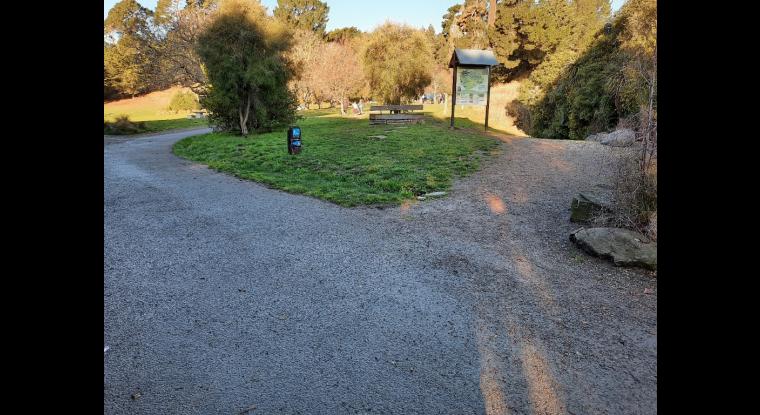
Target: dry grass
{"x": 498, "y": 119}
{"x": 150, "y": 107}
{"x": 151, "y": 111}
{"x": 635, "y": 196}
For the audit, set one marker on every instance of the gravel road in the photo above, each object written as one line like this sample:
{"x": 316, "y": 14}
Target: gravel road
{"x": 225, "y": 297}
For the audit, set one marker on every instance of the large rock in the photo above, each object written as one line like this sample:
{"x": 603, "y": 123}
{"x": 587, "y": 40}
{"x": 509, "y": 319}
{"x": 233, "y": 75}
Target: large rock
{"x": 624, "y": 247}
{"x": 587, "y": 205}
{"x": 623, "y": 137}
{"x": 619, "y": 138}
{"x": 596, "y": 137}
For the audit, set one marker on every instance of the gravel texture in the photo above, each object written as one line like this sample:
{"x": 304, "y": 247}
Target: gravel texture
{"x": 224, "y": 297}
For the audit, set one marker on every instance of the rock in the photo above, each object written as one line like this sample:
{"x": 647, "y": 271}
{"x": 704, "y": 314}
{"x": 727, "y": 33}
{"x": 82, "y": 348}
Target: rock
{"x": 377, "y": 136}
{"x": 588, "y": 204}
{"x": 420, "y": 197}
{"x": 434, "y": 194}
{"x": 624, "y": 247}
{"x": 619, "y": 138}
{"x": 596, "y": 137}
{"x": 623, "y": 137}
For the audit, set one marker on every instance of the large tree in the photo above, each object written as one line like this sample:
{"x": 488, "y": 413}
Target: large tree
{"x": 526, "y": 33}
{"x": 129, "y": 65}
{"x": 180, "y": 29}
{"x": 303, "y": 14}
{"x": 244, "y": 54}
{"x": 396, "y": 62}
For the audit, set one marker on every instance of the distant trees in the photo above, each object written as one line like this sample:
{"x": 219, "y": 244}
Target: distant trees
{"x": 339, "y": 74}
{"x": 343, "y": 34}
{"x": 305, "y": 54}
{"x": 396, "y": 62}
{"x": 303, "y": 14}
{"x": 243, "y": 52}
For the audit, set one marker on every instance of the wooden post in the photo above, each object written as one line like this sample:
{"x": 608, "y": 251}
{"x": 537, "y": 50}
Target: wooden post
{"x": 453, "y": 96}
{"x": 488, "y": 96}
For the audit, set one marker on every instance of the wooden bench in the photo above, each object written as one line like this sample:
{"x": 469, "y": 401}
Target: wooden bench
{"x": 402, "y": 115}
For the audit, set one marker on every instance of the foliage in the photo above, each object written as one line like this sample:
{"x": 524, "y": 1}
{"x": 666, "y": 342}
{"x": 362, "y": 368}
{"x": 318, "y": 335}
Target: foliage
{"x": 396, "y": 62}
{"x": 176, "y": 48}
{"x": 526, "y": 33}
{"x": 243, "y": 51}
{"x": 340, "y": 163}
{"x": 343, "y": 34}
{"x": 127, "y": 65}
{"x": 184, "y": 101}
{"x": 612, "y": 80}
{"x": 303, "y": 14}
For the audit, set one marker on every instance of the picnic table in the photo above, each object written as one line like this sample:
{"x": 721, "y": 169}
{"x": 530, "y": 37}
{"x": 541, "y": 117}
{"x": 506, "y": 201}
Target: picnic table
{"x": 402, "y": 114}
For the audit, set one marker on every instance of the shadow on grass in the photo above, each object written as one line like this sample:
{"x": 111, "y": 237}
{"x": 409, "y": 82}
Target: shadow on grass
{"x": 152, "y": 126}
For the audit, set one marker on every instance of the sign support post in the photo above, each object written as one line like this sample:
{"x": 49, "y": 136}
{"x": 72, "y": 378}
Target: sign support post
{"x": 453, "y": 96}
{"x": 488, "y": 96}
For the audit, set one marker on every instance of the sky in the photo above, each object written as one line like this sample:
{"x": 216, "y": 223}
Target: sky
{"x": 366, "y": 15}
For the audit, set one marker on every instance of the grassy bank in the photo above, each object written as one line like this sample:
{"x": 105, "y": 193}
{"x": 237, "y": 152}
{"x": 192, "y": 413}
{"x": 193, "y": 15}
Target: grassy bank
{"x": 341, "y": 163}
{"x": 151, "y": 110}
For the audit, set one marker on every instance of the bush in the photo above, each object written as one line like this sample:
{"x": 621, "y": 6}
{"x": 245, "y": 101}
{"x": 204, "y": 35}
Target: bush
{"x": 122, "y": 126}
{"x": 184, "y": 101}
{"x": 635, "y": 196}
{"x": 520, "y": 113}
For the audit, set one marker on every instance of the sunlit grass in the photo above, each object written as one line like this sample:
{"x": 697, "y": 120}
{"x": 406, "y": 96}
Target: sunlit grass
{"x": 340, "y": 163}
{"x": 151, "y": 109}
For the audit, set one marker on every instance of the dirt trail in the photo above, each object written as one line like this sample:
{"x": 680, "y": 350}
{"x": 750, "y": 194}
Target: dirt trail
{"x": 558, "y": 331}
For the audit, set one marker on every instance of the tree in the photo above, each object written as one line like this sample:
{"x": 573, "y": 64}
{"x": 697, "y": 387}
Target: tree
{"x": 244, "y": 54}
{"x": 305, "y": 56}
{"x": 177, "y": 48}
{"x": 129, "y": 67}
{"x": 125, "y": 68}
{"x": 343, "y": 34}
{"x": 339, "y": 74}
{"x": 526, "y": 33}
{"x": 396, "y": 61}
{"x": 471, "y": 22}
{"x": 128, "y": 17}
{"x": 303, "y": 14}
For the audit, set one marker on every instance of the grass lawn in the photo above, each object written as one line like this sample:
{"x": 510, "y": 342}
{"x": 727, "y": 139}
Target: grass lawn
{"x": 340, "y": 163}
{"x": 151, "y": 109}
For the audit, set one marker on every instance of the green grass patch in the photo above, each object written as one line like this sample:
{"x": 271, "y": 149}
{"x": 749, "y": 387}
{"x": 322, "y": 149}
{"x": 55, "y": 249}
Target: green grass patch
{"x": 340, "y": 163}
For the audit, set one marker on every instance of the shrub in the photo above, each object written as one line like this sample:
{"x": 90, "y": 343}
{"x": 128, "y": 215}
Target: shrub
{"x": 122, "y": 125}
{"x": 635, "y": 196}
{"x": 184, "y": 101}
{"x": 520, "y": 113}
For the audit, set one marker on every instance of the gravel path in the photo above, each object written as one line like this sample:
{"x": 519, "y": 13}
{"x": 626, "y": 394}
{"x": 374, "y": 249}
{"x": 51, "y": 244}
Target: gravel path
{"x": 223, "y": 296}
